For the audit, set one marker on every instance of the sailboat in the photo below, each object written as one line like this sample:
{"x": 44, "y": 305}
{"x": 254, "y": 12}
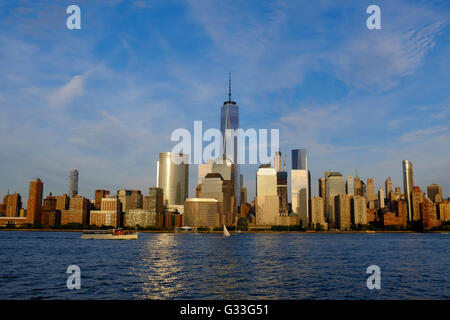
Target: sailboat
{"x": 225, "y": 231}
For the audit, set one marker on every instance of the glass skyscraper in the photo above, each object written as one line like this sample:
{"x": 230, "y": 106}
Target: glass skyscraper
{"x": 299, "y": 159}
{"x": 408, "y": 184}
{"x": 229, "y": 119}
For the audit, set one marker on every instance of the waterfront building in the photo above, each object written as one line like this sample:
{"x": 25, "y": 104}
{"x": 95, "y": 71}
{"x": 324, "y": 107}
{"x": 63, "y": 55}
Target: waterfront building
{"x": 300, "y": 195}
{"x": 99, "y": 195}
{"x": 342, "y": 211}
{"x": 388, "y": 186}
{"x": 73, "y": 183}
{"x": 408, "y": 183}
{"x": 140, "y": 217}
{"x": 358, "y": 210}
{"x": 201, "y": 212}
{"x": 417, "y": 196}
{"x": 443, "y": 210}
{"x": 173, "y": 175}
{"x": 50, "y": 215}
{"x": 282, "y": 193}
{"x": 277, "y": 161}
{"x": 136, "y": 199}
{"x": 299, "y": 159}
{"x": 434, "y": 192}
{"x": 350, "y": 185}
{"x": 429, "y": 214}
{"x": 334, "y": 185}
{"x": 34, "y": 208}
{"x": 215, "y": 187}
{"x": 14, "y": 214}
{"x": 267, "y": 201}
{"x": 357, "y": 185}
{"x": 318, "y": 213}
{"x": 78, "y": 211}
{"x": 229, "y": 120}
{"x": 62, "y": 202}
{"x": 381, "y": 198}
{"x": 13, "y": 205}
{"x": 204, "y": 169}
{"x": 243, "y": 195}
{"x": 322, "y": 188}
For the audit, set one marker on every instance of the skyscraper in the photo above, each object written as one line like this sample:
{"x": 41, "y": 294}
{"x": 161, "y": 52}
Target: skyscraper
{"x": 371, "y": 196}
{"x": 381, "y": 198}
{"x": 229, "y": 119}
{"x": 301, "y": 185}
{"x": 334, "y": 185}
{"x": 434, "y": 192}
{"x": 34, "y": 208}
{"x": 73, "y": 183}
{"x": 350, "y": 186}
{"x": 408, "y": 183}
{"x": 277, "y": 161}
{"x": 173, "y": 177}
{"x": 388, "y": 187}
{"x": 267, "y": 199}
{"x": 299, "y": 159}
{"x": 357, "y": 185}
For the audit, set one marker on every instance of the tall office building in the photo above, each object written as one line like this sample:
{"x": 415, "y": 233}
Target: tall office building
{"x": 350, "y": 186}
{"x": 371, "y": 196}
{"x": 204, "y": 169}
{"x": 229, "y": 119}
{"x": 388, "y": 187}
{"x": 282, "y": 193}
{"x": 381, "y": 198}
{"x": 334, "y": 185}
{"x": 322, "y": 188}
{"x": 300, "y": 195}
{"x": 34, "y": 208}
{"x": 73, "y": 183}
{"x": 417, "y": 197}
{"x": 358, "y": 210}
{"x": 277, "y": 161}
{"x": 408, "y": 183}
{"x": 267, "y": 199}
{"x": 357, "y": 185}
{"x": 434, "y": 192}
{"x": 173, "y": 175}
{"x": 299, "y": 159}
{"x": 342, "y": 211}
{"x": 318, "y": 213}
{"x": 99, "y": 195}
{"x": 301, "y": 186}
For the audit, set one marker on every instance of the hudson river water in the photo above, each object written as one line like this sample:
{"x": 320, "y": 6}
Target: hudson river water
{"x": 209, "y": 266}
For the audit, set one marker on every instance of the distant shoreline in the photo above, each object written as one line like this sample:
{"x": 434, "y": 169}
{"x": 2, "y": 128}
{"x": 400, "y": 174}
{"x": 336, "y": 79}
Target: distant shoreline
{"x": 242, "y": 232}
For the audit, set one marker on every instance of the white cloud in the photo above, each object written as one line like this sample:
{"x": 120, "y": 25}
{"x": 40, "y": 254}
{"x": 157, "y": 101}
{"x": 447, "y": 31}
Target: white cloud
{"x": 68, "y": 92}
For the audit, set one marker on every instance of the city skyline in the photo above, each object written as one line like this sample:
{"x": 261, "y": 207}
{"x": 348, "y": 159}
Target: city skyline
{"x": 94, "y": 105}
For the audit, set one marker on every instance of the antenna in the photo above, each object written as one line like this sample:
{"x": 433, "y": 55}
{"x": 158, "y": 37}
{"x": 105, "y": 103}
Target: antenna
{"x": 284, "y": 163}
{"x": 229, "y": 86}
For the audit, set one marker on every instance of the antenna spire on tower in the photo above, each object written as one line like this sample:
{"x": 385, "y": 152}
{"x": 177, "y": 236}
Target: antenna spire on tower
{"x": 229, "y": 86}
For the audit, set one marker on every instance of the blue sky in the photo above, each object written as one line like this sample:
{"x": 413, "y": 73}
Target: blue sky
{"x": 105, "y": 99}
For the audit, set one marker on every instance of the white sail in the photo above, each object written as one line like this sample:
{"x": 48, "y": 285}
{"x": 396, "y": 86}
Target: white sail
{"x": 225, "y": 231}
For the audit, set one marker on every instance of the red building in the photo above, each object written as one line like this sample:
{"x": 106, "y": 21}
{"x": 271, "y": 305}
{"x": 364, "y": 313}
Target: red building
{"x": 429, "y": 216}
{"x": 34, "y": 208}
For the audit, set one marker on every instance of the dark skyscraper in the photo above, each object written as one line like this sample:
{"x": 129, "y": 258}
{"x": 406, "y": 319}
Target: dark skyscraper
{"x": 299, "y": 159}
{"x": 73, "y": 183}
{"x": 229, "y": 119}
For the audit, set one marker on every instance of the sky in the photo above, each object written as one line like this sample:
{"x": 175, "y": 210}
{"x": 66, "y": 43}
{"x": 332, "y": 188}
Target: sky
{"x": 105, "y": 99}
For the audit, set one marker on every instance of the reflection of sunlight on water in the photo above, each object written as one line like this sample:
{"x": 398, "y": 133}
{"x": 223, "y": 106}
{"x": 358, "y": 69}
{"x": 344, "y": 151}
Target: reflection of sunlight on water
{"x": 160, "y": 268}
